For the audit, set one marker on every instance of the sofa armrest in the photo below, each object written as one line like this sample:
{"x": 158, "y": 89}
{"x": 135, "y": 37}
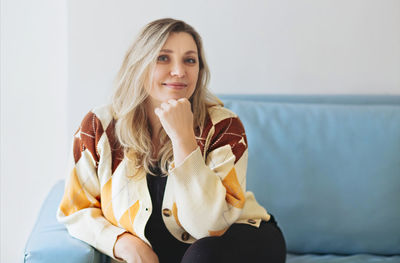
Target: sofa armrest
{"x": 50, "y": 241}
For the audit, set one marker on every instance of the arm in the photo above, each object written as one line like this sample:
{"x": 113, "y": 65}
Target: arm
{"x": 80, "y": 208}
{"x": 209, "y": 193}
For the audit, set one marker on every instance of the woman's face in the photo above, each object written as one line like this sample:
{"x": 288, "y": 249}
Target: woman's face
{"x": 176, "y": 71}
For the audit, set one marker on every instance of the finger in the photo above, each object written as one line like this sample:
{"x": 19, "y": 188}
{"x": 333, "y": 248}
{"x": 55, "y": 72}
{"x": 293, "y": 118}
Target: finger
{"x": 158, "y": 111}
{"x": 183, "y": 100}
{"x": 172, "y": 102}
{"x": 165, "y": 106}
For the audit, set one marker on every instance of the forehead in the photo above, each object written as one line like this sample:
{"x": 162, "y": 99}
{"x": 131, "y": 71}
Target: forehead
{"x": 181, "y": 41}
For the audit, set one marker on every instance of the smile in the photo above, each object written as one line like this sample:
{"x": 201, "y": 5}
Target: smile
{"x": 175, "y": 85}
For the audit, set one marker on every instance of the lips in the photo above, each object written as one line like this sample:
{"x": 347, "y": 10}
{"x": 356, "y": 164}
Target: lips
{"x": 175, "y": 85}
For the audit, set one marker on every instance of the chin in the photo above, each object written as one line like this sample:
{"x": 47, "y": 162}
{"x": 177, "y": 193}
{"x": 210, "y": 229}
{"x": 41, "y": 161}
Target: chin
{"x": 175, "y": 97}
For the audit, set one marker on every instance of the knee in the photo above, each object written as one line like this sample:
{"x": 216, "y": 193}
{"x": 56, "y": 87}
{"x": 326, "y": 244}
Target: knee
{"x": 203, "y": 250}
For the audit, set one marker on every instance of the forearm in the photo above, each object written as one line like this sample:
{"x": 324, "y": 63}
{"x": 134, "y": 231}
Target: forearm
{"x": 91, "y": 227}
{"x": 183, "y": 147}
{"x": 204, "y": 195}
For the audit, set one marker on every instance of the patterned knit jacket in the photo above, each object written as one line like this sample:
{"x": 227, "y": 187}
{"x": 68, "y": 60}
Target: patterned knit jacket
{"x": 106, "y": 194}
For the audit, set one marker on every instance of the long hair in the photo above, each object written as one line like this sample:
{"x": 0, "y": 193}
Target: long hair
{"x": 132, "y": 125}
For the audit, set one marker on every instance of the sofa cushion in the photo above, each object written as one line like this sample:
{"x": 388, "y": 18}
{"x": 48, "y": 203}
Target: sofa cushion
{"x": 359, "y": 258}
{"x": 49, "y": 240}
{"x": 329, "y": 172}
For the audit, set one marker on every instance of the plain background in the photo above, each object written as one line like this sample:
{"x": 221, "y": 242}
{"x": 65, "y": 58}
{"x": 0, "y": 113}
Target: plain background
{"x": 59, "y": 59}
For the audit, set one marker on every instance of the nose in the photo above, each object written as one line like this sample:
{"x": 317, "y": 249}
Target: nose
{"x": 178, "y": 70}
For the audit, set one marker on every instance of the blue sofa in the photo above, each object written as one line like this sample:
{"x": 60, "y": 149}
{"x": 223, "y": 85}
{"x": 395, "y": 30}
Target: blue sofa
{"x": 327, "y": 167}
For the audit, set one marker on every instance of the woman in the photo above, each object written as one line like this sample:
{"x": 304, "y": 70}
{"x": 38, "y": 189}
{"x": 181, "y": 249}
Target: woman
{"x": 159, "y": 175}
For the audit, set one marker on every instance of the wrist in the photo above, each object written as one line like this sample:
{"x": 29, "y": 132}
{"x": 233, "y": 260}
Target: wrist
{"x": 184, "y": 139}
{"x": 184, "y": 145}
{"x": 182, "y": 149}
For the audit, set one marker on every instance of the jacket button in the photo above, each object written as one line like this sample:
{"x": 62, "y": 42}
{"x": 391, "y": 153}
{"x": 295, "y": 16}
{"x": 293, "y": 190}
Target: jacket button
{"x": 252, "y": 221}
{"x": 185, "y": 236}
{"x": 166, "y": 212}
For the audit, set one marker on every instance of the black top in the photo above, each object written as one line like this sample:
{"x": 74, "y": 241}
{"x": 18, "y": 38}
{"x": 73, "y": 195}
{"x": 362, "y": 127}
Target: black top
{"x": 166, "y": 246}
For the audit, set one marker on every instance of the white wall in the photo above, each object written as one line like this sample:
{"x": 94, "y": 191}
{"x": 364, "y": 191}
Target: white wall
{"x": 33, "y": 113}
{"x": 254, "y": 46}
{"x": 271, "y": 46}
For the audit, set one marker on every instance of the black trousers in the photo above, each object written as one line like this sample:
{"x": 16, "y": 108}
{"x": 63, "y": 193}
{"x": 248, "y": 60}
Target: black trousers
{"x": 241, "y": 243}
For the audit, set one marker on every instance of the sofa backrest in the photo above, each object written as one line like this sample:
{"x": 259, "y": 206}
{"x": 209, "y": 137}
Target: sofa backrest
{"x": 327, "y": 167}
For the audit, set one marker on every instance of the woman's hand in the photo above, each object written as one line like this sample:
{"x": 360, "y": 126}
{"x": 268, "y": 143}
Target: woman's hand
{"x": 133, "y": 250}
{"x": 176, "y": 117}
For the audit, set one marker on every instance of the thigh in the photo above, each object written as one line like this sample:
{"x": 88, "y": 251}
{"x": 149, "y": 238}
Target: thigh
{"x": 241, "y": 243}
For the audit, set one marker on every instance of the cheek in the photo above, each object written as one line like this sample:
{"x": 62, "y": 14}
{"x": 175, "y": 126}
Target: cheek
{"x": 194, "y": 78}
{"x": 194, "y": 74}
{"x": 158, "y": 76}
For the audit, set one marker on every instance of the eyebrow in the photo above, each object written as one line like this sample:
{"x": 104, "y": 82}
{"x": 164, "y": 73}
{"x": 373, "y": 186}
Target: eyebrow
{"x": 170, "y": 51}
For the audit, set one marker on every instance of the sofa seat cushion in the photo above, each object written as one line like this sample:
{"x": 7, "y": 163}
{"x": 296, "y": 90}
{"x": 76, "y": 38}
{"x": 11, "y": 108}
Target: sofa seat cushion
{"x": 358, "y": 258}
{"x": 50, "y": 242}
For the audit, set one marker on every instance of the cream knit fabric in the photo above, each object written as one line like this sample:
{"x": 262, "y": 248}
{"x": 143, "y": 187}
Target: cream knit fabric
{"x": 107, "y": 195}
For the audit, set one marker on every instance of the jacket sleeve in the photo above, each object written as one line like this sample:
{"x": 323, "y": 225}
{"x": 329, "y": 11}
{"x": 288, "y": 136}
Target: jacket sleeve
{"x": 80, "y": 207}
{"x": 210, "y": 187}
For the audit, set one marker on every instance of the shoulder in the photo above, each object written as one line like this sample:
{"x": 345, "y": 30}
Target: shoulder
{"x": 98, "y": 118}
{"x": 224, "y": 128}
{"x": 97, "y": 123}
{"x": 221, "y": 123}
{"x": 223, "y": 118}
{"x": 219, "y": 113}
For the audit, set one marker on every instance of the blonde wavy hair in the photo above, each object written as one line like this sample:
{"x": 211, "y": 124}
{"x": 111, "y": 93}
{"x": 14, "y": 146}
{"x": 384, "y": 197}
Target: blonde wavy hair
{"x": 132, "y": 125}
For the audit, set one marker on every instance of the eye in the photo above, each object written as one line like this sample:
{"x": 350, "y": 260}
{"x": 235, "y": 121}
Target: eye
{"x": 162, "y": 58}
{"x": 191, "y": 60}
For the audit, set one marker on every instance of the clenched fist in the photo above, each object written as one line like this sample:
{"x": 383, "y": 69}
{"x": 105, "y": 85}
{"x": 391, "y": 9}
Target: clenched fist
{"x": 176, "y": 118}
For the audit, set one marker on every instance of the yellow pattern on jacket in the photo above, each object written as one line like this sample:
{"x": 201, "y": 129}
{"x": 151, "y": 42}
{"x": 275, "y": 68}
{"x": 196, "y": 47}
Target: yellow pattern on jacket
{"x": 107, "y": 195}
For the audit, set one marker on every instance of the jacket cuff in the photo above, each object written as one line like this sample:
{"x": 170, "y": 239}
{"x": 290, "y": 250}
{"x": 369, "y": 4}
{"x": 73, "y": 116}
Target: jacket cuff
{"x": 192, "y": 164}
